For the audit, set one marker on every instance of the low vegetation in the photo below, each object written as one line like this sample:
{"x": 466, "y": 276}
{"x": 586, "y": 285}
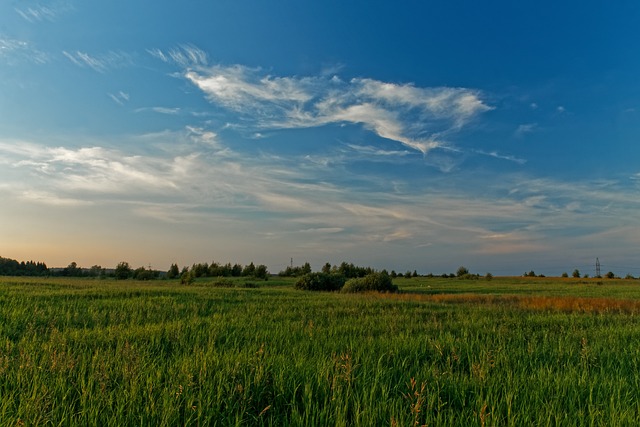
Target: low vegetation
{"x": 513, "y": 351}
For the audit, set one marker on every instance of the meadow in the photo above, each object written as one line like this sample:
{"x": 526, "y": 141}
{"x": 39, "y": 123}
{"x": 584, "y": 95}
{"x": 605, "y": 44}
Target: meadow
{"x": 443, "y": 352}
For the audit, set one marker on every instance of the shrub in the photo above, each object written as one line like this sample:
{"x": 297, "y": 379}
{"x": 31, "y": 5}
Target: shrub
{"x": 380, "y": 282}
{"x": 320, "y": 282}
{"x": 488, "y": 277}
{"x": 187, "y": 278}
{"x": 223, "y": 282}
{"x": 462, "y": 271}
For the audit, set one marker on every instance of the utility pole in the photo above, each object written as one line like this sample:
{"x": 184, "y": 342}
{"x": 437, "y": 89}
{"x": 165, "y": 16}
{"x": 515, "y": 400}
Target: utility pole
{"x": 597, "y": 267}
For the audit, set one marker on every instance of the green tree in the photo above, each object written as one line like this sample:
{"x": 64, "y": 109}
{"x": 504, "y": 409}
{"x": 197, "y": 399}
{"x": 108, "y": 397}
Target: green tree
{"x": 576, "y": 273}
{"x": 326, "y": 269}
{"x": 123, "y": 271}
{"x": 236, "y": 270}
{"x": 261, "y": 272}
{"x": 462, "y": 271}
{"x": 173, "y": 272}
{"x": 249, "y": 270}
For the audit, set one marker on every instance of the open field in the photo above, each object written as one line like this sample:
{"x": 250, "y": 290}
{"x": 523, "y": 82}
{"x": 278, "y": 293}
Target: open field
{"x": 511, "y": 351}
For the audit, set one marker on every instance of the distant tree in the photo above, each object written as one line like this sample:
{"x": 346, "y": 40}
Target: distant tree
{"x": 415, "y": 273}
{"x": 407, "y": 274}
{"x": 97, "y": 271}
{"x": 306, "y": 268}
{"x": 72, "y": 270}
{"x": 576, "y": 273}
{"x": 236, "y": 270}
{"x": 564, "y": 274}
{"x": 174, "y": 271}
{"x": 187, "y": 277}
{"x": 393, "y": 274}
{"x": 610, "y": 275}
{"x": 320, "y": 282}
{"x": 249, "y": 270}
{"x": 629, "y": 276}
{"x": 123, "y": 271}
{"x": 462, "y": 271}
{"x": 530, "y": 274}
{"x": 488, "y": 277}
{"x": 380, "y": 282}
{"x": 144, "y": 274}
{"x": 261, "y": 272}
{"x": 326, "y": 269}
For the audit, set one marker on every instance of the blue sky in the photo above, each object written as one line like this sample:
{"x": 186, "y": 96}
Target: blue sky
{"x": 412, "y": 135}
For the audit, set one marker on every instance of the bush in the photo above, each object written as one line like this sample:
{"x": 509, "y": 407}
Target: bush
{"x": 462, "y": 271}
{"x": 379, "y": 282}
{"x": 223, "y": 282}
{"x": 320, "y": 282}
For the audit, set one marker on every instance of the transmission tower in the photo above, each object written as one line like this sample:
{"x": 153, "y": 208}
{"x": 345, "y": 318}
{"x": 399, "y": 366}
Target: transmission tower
{"x": 597, "y": 267}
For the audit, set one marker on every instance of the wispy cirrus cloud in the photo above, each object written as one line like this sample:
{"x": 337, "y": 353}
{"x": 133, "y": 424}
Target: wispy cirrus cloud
{"x": 15, "y": 51}
{"x": 160, "y": 110}
{"x": 413, "y": 116}
{"x": 119, "y": 98}
{"x": 184, "y": 55}
{"x": 101, "y": 62}
{"x": 45, "y": 10}
{"x": 500, "y": 156}
{"x": 525, "y": 128}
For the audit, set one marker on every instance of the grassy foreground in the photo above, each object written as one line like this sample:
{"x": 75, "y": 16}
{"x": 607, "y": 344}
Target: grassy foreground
{"x": 445, "y": 352}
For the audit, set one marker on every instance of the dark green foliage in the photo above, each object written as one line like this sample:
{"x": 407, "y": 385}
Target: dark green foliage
{"x": 320, "y": 282}
{"x": 145, "y": 274}
{"x": 223, "y": 282}
{"x": 11, "y": 267}
{"x": 249, "y": 270}
{"x": 462, "y": 271}
{"x": 610, "y": 275}
{"x": 123, "y": 271}
{"x": 378, "y": 282}
{"x": 576, "y": 273}
{"x": 173, "y": 272}
{"x": 296, "y": 271}
{"x": 187, "y": 278}
{"x": 261, "y": 272}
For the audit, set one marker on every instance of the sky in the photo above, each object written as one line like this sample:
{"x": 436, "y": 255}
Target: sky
{"x": 502, "y": 136}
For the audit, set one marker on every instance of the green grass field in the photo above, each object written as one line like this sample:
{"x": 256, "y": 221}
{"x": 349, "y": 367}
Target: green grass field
{"x": 511, "y": 351}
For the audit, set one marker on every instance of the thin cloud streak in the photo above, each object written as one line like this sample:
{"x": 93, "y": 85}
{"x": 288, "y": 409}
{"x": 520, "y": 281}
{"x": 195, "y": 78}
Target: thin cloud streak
{"x": 100, "y": 63}
{"x": 402, "y": 113}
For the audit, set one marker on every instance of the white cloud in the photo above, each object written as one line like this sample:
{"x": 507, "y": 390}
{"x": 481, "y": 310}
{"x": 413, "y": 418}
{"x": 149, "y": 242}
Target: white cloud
{"x": 42, "y": 11}
{"x": 52, "y": 199}
{"x": 15, "y": 51}
{"x": 403, "y": 113}
{"x": 184, "y": 55}
{"x": 525, "y": 128}
{"x": 102, "y": 62}
{"x": 497, "y": 155}
{"x": 161, "y": 110}
{"x": 119, "y": 98}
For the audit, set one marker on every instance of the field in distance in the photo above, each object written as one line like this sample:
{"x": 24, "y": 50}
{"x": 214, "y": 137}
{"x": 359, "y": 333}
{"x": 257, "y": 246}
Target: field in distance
{"x": 510, "y": 351}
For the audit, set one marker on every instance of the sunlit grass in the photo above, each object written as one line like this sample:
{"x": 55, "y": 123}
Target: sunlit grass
{"x": 444, "y": 352}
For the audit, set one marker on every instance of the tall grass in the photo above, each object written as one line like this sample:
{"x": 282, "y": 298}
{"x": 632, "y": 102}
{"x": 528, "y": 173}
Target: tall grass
{"x": 123, "y": 353}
